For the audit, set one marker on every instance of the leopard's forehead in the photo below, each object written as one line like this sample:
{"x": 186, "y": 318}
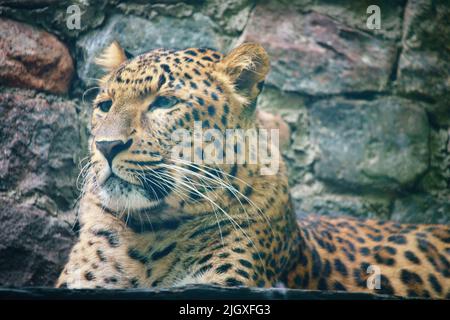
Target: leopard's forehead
{"x": 163, "y": 69}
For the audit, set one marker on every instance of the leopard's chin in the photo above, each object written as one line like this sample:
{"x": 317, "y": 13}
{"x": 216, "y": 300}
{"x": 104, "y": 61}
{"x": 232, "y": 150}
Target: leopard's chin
{"x": 120, "y": 195}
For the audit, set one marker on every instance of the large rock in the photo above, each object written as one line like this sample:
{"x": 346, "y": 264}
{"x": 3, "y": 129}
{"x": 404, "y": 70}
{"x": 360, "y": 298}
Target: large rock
{"x": 315, "y": 54}
{"x": 28, "y": 3}
{"x": 33, "y": 245}
{"x": 354, "y": 14}
{"x": 30, "y": 58}
{"x": 379, "y": 144}
{"x": 55, "y": 17}
{"x": 422, "y": 208}
{"x": 42, "y": 140}
{"x": 424, "y": 65}
{"x": 288, "y": 105}
{"x": 274, "y": 121}
{"x": 315, "y": 198}
{"x": 231, "y": 15}
{"x": 139, "y": 35}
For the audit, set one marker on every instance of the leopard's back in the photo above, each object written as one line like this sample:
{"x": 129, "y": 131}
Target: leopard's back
{"x": 344, "y": 253}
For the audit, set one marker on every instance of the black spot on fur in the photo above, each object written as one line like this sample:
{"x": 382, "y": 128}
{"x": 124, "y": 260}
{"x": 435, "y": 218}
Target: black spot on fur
{"x": 390, "y": 250}
{"x": 238, "y": 250}
{"x": 376, "y": 238}
{"x": 202, "y": 270}
{"x": 234, "y": 170}
{"x": 412, "y": 257}
{"x": 191, "y": 53}
{"x": 305, "y": 283}
{"x": 164, "y": 252}
{"x": 110, "y": 280}
{"x": 260, "y": 283}
{"x": 111, "y": 236}
{"x": 364, "y": 251}
{"x": 89, "y": 276}
{"x": 326, "y": 269}
{"x": 224, "y": 120}
{"x": 358, "y": 275}
{"x": 101, "y": 255}
{"x": 360, "y": 240}
{"x": 410, "y": 278}
{"x": 232, "y": 282}
{"x": 134, "y": 254}
{"x": 200, "y": 101}
{"x": 339, "y": 286}
{"x": 165, "y": 67}
{"x": 412, "y": 293}
{"x": 350, "y": 256}
{"x": 224, "y": 268}
{"x": 195, "y": 115}
{"x": 435, "y": 283}
{"x": 303, "y": 259}
{"x": 298, "y": 281}
{"x": 382, "y": 258}
{"x": 397, "y": 239}
{"x": 211, "y": 110}
{"x": 245, "y": 263}
{"x": 134, "y": 282}
{"x": 340, "y": 267}
{"x": 322, "y": 285}
{"x": 205, "y": 258}
{"x": 207, "y": 58}
{"x": 385, "y": 286}
{"x": 316, "y": 264}
{"x": 243, "y": 273}
{"x": 161, "y": 81}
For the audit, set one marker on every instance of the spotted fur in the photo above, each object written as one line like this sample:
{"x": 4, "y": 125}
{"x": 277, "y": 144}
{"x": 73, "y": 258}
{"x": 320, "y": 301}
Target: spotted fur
{"x": 149, "y": 222}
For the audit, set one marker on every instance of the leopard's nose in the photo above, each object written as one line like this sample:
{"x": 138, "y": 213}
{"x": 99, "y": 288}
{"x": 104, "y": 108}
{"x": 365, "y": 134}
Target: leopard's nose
{"x": 112, "y": 148}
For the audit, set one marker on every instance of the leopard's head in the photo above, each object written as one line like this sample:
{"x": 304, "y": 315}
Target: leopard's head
{"x": 144, "y": 101}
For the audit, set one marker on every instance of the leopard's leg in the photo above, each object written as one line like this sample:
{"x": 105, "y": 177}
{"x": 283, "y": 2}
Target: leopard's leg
{"x": 100, "y": 259}
{"x": 100, "y": 263}
{"x": 237, "y": 263}
{"x": 231, "y": 272}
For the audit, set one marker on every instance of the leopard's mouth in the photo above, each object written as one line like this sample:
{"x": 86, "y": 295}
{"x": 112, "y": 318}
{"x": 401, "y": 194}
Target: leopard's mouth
{"x": 153, "y": 186}
{"x": 143, "y": 190}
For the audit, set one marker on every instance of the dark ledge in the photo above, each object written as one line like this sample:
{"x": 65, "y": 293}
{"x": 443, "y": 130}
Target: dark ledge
{"x": 192, "y": 292}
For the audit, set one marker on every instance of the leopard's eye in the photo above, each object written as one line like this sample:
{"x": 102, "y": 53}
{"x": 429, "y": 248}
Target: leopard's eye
{"x": 104, "y": 106}
{"x": 163, "y": 102}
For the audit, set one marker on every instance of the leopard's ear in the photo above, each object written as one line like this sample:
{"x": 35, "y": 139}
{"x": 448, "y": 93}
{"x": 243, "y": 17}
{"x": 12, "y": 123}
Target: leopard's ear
{"x": 112, "y": 57}
{"x": 246, "y": 66}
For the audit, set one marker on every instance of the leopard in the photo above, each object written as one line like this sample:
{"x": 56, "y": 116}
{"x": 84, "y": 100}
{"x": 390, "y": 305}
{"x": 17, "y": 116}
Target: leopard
{"x": 149, "y": 219}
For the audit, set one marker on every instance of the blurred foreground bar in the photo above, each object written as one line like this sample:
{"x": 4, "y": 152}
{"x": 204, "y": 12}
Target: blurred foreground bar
{"x": 194, "y": 292}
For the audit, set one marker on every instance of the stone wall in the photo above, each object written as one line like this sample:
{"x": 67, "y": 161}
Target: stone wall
{"x": 368, "y": 110}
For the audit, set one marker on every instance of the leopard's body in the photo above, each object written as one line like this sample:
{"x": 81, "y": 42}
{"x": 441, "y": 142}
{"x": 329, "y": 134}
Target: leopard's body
{"x": 150, "y": 221}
